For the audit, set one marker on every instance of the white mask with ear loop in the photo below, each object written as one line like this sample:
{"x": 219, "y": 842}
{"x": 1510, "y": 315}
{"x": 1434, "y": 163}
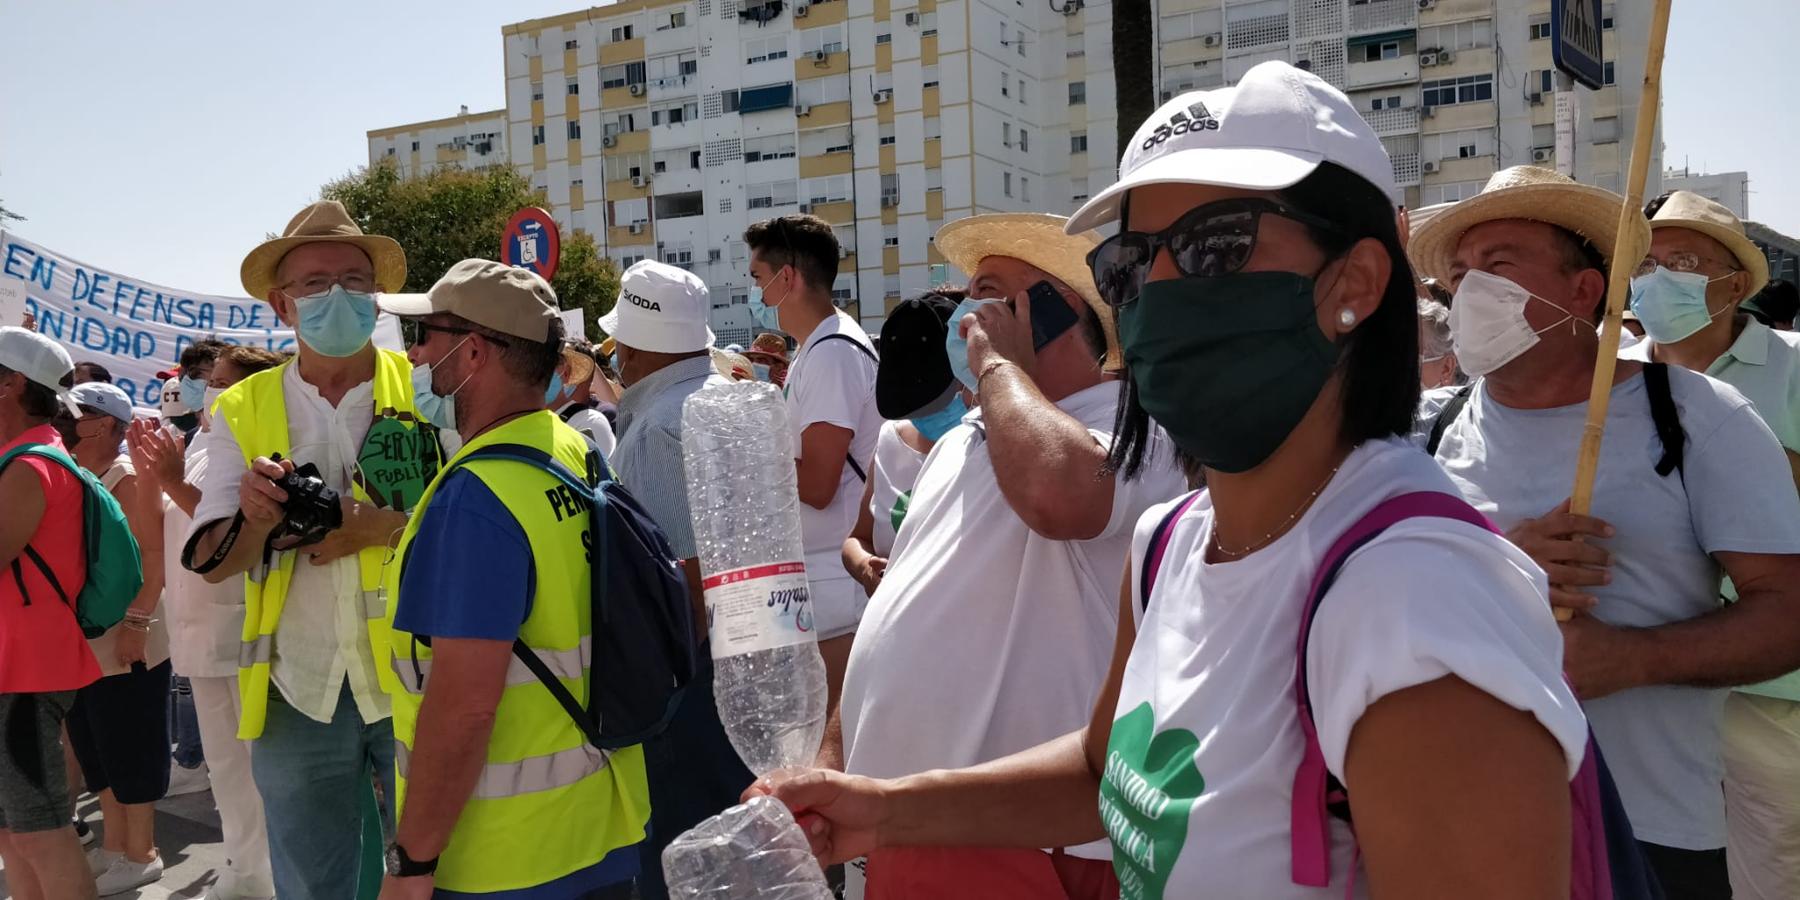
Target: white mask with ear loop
{"x": 1488, "y": 327}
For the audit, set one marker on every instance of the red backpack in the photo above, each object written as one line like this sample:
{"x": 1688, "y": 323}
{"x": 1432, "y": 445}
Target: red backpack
{"x": 1605, "y": 862}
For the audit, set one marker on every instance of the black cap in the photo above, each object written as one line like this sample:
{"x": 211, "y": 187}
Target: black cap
{"x": 914, "y": 373}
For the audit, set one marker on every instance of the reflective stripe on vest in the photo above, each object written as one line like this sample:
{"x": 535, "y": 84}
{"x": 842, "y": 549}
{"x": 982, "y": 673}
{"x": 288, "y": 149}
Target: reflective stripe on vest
{"x": 256, "y": 409}
{"x": 568, "y": 664}
{"x": 525, "y": 776}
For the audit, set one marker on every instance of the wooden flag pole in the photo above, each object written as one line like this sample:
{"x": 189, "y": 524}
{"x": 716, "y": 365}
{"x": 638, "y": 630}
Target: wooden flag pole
{"x": 1625, "y": 260}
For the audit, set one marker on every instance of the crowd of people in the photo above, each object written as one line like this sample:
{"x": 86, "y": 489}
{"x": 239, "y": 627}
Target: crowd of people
{"x": 1127, "y": 559}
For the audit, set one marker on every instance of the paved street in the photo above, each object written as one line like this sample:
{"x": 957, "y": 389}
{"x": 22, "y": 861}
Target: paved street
{"x": 187, "y": 830}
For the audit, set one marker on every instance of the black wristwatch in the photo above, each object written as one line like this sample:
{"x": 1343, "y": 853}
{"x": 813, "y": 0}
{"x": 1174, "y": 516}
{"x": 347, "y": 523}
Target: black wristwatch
{"x": 400, "y": 865}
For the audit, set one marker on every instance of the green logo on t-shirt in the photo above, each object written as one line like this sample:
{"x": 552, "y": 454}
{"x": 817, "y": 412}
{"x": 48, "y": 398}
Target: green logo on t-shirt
{"x": 1148, "y": 789}
{"x": 899, "y": 513}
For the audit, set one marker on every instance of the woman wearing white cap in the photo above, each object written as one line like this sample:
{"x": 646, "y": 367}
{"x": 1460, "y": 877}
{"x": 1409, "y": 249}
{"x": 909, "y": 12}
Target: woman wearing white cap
{"x": 1268, "y": 320}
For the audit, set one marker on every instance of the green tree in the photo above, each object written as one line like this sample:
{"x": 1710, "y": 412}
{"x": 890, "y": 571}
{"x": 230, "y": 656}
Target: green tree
{"x": 1134, "y": 75}
{"x": 451, "y": 214}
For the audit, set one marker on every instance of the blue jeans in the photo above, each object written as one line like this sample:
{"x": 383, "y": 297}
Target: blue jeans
{"x": 184, "y": 724}
{"x": 315, "y": 780}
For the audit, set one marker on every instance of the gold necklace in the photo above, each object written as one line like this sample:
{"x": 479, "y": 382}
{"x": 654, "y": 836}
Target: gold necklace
{"x": 1278, "y": 530}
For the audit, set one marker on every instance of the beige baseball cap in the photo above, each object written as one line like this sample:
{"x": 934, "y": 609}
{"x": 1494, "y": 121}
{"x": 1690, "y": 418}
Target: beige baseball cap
{"x": 493, "y": 295}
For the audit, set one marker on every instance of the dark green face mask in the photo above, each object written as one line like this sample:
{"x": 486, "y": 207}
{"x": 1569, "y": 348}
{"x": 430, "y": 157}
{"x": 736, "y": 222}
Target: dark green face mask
{"x": 1227, "y": 365}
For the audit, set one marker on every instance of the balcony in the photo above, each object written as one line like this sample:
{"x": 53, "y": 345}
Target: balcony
{"x": 1400, "y": 70}
{"x": 1393, "y": 121}
{"x": 1406, "y": 169}
{"x": 1383, "y": 15}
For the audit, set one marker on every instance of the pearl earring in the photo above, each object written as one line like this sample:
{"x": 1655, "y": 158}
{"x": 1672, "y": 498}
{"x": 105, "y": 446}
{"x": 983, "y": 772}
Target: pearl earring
{"x": 1346, "y": 317}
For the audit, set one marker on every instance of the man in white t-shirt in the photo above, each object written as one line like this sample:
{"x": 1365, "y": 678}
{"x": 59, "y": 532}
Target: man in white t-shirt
{"x": 993, "y": 627}
{"x": 1675, "y": 504}
{"x": 830, "y": 392}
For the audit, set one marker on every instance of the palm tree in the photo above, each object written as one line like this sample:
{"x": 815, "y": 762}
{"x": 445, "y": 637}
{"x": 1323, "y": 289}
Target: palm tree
{"x": 1134, "y": 66}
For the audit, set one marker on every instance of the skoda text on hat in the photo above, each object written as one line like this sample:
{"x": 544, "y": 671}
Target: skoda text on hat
{"x": 661, "y": 309}
{"x": 1268, "y": 132}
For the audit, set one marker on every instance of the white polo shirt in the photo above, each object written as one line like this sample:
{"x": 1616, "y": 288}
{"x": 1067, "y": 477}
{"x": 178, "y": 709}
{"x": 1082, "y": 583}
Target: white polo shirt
{"x": 985, "y": 637}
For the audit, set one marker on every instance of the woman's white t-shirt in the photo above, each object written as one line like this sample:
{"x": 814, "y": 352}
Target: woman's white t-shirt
{"x": 206, "y": 621}
{"x": 1206, "y": 738}
{"x": 897, "y": 469}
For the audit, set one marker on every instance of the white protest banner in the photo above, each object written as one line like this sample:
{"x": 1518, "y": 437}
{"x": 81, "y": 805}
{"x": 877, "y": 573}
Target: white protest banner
{"x": 12, "y": 303}
{"x": 130, "y": 326}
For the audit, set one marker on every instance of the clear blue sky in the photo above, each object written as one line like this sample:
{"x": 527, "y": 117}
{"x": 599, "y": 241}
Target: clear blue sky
{"x": 164, "y": 146}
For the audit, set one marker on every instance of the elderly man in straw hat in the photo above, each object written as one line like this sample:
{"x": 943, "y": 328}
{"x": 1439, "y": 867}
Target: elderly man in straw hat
{"x": 1687, "y": 292}
{"x": 1683, "y": 495}
{"x": 993, "y": 626}
{"x": 314, "y": 699}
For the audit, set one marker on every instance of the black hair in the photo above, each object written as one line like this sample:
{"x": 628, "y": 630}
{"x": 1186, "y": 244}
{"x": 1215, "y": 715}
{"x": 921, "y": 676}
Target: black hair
{"x": 532, "y": 362}
{"x": 1779, "y": 301}
{"x": 1656, "y": 204}
{"x": 1578, "y": 255}
{"x": 202, "y": 351}
{"x": 1378, "y": 361}
{"x": 805, "y": 242}
{"x": 95, "y": 371}
{"x": 39, "y": 402}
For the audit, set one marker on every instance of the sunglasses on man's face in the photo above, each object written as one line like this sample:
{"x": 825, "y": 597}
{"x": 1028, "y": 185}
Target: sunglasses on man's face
{"x": 1206, "y": 242}
{"x": 417, "y": 331}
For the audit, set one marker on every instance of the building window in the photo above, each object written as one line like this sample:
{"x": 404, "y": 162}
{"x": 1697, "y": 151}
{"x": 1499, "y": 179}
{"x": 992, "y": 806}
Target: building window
{"x": 1465, "y": 151}
{"x": 1024, "y": 189}
{"x": 1606, "y": 19}
{"x": 886, "y": 135}
{"x": 927, "y": 24}
{"x": 1078, "y": 92}
{"x": 1379, "y": 103}
{"x": 537, "y": 135}
{"x": 537, "y": 91}
{"x": 1005, "y": 86}
{"x": 1078, "y": 142}
{"x": 1449, "y": 91}
{"x": 1609, "y": 78}
{"x": 1019, "y": 42}
{"x": 1006, "y": 134}
{"x": 1544, "y": 80}
{"x": 1606, "y": 130}
{"x": 1021, "y": 90}
{"x": 885, "y": 37}
{"x": 676, "y": 20}
{"x": 693, "y": 159}
{"x": 1540, "y": 31}
{"x": 890, "y": 190}
{"x": 1381, "y": 51}
{"x": 1024, "y": 140}
{"x": 574, "y": 131}
{"x": 934, "y": 128}
{"x": 574, "y": 87}
{"x": 766, "y": 49}
{"x": 890, "y": 235}
{"x": 415, "y": 146}
{"x": 571, "y": 44}
{"x": 930, "y": 78}
{"x": 1006, "y": 183}
{"x": 390, "y": 152}
{"x": 621, "y": 33}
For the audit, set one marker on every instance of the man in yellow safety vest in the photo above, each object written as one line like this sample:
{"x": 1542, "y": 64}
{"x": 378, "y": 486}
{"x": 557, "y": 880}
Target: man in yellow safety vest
{"x": 314, "y": 699}
{"x": 500, "y": 792}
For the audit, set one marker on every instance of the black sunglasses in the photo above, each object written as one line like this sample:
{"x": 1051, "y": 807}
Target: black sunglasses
{"x": 1207, "y": 241}
{"x": 417, "y": 331}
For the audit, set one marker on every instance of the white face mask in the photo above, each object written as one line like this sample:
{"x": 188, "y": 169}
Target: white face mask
{"x": 1488, "y": 325}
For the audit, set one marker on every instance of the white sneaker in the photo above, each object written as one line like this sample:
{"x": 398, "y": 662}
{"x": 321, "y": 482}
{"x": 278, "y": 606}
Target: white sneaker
{"x": 231, "y": 887}
{"x": 99, "y": 859}
{"x": 125, "y": 875}
{"x": 188, "y": 781}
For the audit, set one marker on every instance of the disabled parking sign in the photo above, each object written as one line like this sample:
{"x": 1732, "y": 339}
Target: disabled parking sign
{"x": 531, "y": 242}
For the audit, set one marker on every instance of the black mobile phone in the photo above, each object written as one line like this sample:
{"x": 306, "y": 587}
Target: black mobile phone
{"x": 1051, "y": 315}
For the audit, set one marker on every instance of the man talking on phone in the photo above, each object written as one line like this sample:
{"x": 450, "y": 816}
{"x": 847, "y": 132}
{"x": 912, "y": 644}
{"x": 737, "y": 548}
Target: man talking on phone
{"x": 993, "y": 627}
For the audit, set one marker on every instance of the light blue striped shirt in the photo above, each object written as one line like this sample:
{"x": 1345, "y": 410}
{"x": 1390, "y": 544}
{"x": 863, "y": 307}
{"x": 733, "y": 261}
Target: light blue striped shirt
{"x": 648, "y": 458}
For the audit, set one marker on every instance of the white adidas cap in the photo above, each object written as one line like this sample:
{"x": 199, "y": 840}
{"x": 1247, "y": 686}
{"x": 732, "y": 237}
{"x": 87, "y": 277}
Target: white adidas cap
{"x": 661, "y": 308}
{"x": 36, "y": 357}
{"x": 1268, "y": 132}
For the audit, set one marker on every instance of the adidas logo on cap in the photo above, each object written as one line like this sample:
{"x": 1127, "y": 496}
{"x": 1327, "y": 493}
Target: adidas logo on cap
{"x": 1195, "y": 118}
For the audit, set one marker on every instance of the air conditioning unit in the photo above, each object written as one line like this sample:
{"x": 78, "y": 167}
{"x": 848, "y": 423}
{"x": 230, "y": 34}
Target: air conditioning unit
{"x": 484, "y": 148}
{"x": 712, "y": 255}
{"x": 1071, "y": 9}
{"x": 636, "y": 228}
{"x": 637, "y": 89}
{"x": 801, "y": 10}
{"x": 889, "y": 202}
{"x": 1426, "y": 112}
{"x": 638, "y": 181}
{"x": 884, "y": 95}
{"x": 1445, "y": 57}
{"x": 1534, "y": 98}
{"x": 1429, "y": 167}
{"x": 805, "y": 208}
{"x": 821, "y": 58}
{"x": 1542, "y": 154}
{"x": 1427, "y": 4}
{"x": 803, "y": 110}
{"x": 1210, "y": 40}
{"x": 1428, "y": 59}
{"x": 912, "y": 18}
{"x": 611, "y": 140}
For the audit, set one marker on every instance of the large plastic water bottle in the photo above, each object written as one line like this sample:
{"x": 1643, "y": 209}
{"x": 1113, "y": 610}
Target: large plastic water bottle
{"x": 753, "y": 850}
{"x": 767, "y": 673}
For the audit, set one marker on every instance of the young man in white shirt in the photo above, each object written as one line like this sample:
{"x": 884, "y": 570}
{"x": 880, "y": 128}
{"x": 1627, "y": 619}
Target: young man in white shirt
{"x": 830, "y": 392}
{"x": 993, "y": 627}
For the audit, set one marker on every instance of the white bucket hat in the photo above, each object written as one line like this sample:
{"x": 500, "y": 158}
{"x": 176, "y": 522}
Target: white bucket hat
{"x": 661, "y": 309}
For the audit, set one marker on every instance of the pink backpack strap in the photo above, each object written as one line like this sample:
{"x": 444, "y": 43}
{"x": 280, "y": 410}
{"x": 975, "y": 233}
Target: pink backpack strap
{"x": 1159, "y": 546}
{"x": 1308, "y": 824}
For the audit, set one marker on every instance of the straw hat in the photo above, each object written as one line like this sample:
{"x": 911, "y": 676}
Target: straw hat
{"x": 768, "y": 346}
{"x": 1686, "y": 209}
{"x": 579, "y": 354}
{"x": 1534, "y": 194}
{"x": 325, "y": 220}
{"x": 1038, "y": 240}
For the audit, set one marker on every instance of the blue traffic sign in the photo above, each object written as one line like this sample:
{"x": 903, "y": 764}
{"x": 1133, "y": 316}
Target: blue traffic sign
{"x": 531, "y": 241}
{"x": 1575, "y": 42}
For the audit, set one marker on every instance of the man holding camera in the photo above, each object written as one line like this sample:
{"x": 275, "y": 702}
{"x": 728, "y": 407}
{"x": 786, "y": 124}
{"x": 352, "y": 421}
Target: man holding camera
{"x": 500, "y": 791}
{"x": 313, "y": 467}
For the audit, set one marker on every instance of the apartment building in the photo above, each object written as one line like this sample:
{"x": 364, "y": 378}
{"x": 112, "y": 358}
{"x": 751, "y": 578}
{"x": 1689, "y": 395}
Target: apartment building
{"x": 469, "y": 140}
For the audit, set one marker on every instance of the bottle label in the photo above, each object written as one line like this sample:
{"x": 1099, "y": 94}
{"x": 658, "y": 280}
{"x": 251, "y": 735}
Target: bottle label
{"x": 758, "y": 608}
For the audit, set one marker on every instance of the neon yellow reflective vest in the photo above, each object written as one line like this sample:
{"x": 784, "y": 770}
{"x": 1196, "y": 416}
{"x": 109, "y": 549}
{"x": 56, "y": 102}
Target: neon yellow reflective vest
{"x": 256, "y": 409}
{"x": 548, "y": 803}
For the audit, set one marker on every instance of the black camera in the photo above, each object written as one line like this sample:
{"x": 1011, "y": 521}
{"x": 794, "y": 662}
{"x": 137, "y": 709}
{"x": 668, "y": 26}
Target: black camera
{"x": 312, "y": 509}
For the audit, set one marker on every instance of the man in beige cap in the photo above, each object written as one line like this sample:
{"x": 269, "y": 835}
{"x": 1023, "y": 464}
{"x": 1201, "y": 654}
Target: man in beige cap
{"x": 992, "y": 629}
{"x": 1684, "y": 491}
{"x": 1687, "y": 292}
{"x": 499, "y": 789}
{"x": 314, "y": 695}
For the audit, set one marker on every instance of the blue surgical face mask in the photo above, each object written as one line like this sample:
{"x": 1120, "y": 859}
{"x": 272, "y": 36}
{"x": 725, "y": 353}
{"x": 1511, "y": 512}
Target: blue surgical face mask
{"x": 957, "y": 346}
{"x": 438, "y": 409}
{"x": 1672, "y": 305}
{"x": 935, "y": 425}
{"x": 336, "y": 323}
{"x": 762, "y": 371}
{"x": 193, "y": 393}
{"x": 763, "y": 314}
{"x": 553, "y": 394}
